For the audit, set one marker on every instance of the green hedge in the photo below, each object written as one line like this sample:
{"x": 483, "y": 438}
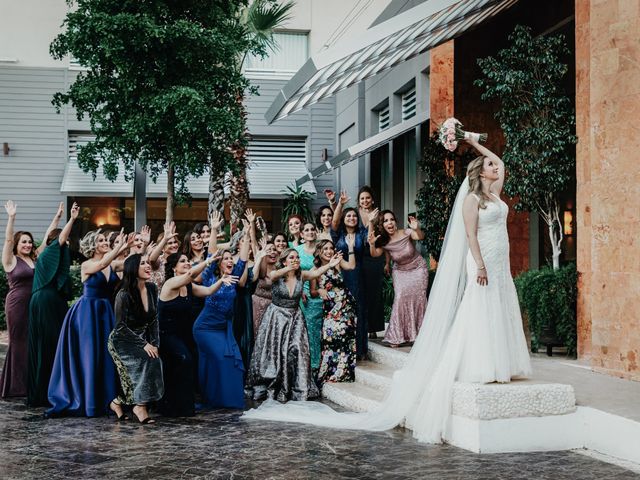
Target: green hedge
{"x": 548, "y": 299}
{"x": 387, "y": 293}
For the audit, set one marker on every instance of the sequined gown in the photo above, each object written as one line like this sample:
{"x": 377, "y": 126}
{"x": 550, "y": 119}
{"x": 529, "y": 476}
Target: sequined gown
{"x": 13, "y": 382}
{"x": 338, "y": 329}
{"x": 280, "y": 367}
{"x": 311, "y": 310}
{"x": 410, "y": 280}
{"x": 83, "y": 380}
{"x": 140, "y": 375}
{"x": 261, "y": 300}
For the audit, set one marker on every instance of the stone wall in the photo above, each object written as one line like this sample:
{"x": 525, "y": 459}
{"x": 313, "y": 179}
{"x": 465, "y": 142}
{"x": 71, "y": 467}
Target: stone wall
{"x": 608, "y": 197}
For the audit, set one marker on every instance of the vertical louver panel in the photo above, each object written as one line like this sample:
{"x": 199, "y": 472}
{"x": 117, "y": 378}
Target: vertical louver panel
{"x": 290, "y": 54}
{"x": 408, "y": 104}
{"x": 383, "y": 119}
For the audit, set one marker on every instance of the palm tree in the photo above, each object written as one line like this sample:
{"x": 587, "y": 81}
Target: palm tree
{"x": 259, "y": 20}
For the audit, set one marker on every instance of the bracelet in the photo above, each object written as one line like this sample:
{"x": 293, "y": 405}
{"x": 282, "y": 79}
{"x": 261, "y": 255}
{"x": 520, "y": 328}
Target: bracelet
{"x": 350, "y": 252}
{"x": 482, "y": 268}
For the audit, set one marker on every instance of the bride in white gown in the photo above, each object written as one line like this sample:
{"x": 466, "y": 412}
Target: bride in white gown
{"x": 472, "y": 330}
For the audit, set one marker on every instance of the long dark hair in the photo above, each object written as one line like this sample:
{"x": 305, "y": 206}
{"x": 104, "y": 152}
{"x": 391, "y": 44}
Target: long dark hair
{"x": 16, "y": 240}
{"x": 343, "y": 227}
{"x": 130, "y": 282}
{"x": 384, "y": 236}
{"x": 170, "y": 264}
{"x": 53, "y": 235}
{"x": 319, "y": 215}
{"x": 366, "y": 189}
{"x": 317, "y": 260}
{"x": 186, "y": 245}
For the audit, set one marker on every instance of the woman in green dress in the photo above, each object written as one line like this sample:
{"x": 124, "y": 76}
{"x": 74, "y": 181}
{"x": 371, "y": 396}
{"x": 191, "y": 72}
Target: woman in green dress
{"x": 47, "y": 309}
{"x": 311, "y": 306}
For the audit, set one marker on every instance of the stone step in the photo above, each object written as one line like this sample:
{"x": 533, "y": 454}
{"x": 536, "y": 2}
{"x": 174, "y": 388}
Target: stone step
{"x": 387, "y": 356}
{"x": 355, "y": 397}
{"x": 374, "y": 374}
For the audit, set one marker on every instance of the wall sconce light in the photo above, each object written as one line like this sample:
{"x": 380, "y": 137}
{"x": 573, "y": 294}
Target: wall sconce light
{"x": 5, "y": 148}
{"x": 567, "y": 222}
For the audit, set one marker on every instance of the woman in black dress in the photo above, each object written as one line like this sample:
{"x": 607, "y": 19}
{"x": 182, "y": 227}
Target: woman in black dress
{"x": 179, "y": 354}
{"x": 134, "y": 342}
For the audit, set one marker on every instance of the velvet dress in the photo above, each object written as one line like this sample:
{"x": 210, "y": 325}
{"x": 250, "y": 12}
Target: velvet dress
{"x": 13, "y": 382}
{"x": 178, "y": 354}
{"x": 83, "y": 380}
{"x": 311, "y": 310}
{"x": 140, "y": 375}
{"x": 410, "y": 280}
{"x": 280, "y": 367}
{"x": 220, "y": 367}
{"x": 354, "y": 281}
{"x": 47, "y": 309}
{"x": 243, "y": 319}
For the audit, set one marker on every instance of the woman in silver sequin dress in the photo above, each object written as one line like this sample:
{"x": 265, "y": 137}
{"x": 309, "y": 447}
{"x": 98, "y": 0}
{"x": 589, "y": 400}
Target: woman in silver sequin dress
{"x": 280, "y": 367}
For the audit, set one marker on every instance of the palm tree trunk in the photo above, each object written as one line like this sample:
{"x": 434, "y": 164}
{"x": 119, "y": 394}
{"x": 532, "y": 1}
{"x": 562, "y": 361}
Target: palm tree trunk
{"x": 239, "y": 184}
{"x": 171, "y": 194}
{"x": 216, "y": 193}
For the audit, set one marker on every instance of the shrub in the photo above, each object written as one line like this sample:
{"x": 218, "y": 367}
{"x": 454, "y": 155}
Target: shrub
{"x": 76, "y": 283}
{"x": 548, "y": 298}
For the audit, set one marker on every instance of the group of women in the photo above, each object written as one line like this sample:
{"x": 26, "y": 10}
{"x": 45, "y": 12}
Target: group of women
{"x": 274, "y": 316}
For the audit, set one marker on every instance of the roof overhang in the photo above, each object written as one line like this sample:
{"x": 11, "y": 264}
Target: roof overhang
{"x": 364, "y": 147}
{"x": 380, "y": 48}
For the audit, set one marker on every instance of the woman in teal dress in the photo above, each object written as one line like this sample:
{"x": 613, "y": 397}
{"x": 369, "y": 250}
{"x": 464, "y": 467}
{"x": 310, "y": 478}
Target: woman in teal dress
{"x": 47, "y": 309}
{"x": 311, "y": 306}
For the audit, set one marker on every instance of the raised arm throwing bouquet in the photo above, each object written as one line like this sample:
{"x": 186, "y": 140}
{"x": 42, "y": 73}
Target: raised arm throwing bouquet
{"x": 451, "y": 131}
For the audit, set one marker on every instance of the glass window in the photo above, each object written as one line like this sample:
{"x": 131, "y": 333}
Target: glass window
{"x": 289, "y": 56}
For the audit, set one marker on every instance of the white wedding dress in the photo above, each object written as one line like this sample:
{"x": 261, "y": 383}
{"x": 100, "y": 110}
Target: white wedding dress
{"x": 470, "y": 333}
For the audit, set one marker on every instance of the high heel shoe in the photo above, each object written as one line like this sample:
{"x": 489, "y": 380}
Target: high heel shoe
{"x": 119, "y": 418}
{"x": 145, "y": 421}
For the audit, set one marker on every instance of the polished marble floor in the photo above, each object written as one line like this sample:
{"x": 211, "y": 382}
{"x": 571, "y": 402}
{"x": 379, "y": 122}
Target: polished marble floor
{"x": 219, "y": 445}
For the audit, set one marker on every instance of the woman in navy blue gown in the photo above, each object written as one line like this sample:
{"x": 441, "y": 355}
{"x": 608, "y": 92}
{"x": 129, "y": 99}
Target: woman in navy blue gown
{"x": 221, "y": 371}
{"x": 83, "y": 380}
{"x": 345, "y": 229}
{"x": 175, "y": 316}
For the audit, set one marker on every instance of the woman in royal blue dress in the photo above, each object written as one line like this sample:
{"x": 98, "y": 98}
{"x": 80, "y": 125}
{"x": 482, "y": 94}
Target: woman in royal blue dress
{"x": 220, "y": 367}
{"x": 176, "y": 318}
{"x": 83, "y": 379}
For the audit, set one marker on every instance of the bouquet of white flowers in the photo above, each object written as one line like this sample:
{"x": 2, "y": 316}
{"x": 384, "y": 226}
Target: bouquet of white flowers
{"x": 451, "y": 131}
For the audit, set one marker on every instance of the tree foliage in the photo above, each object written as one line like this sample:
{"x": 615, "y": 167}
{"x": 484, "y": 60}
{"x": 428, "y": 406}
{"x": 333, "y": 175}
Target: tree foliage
{"x": 297, "y": 202}
{"x": 443, "y": 173}
{"x": 537, "y": 119}
{"x": 161, "y": 84}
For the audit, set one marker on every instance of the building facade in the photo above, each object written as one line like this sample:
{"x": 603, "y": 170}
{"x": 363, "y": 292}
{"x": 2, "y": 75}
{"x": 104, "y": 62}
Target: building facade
{"x": 38, "y": 167}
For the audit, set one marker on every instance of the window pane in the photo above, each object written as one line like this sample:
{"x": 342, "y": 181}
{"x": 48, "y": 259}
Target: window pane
{"x": 290, "y": 55}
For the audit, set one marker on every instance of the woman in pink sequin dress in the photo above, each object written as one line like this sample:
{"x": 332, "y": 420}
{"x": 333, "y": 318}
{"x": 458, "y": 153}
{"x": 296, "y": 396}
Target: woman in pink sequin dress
{"x": 410, "y": 274}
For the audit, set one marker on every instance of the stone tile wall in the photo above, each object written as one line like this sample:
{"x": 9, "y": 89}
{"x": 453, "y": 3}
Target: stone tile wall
{"x": 608, "y": 174}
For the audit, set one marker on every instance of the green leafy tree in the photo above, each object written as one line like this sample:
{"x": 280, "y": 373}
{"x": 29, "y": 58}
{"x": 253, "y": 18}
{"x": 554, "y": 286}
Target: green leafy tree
{"x": 443, "y": 173}
{"x": 257, "y": 22}
{"x": 161, "y": 85}
{"x": 538, "y": 122}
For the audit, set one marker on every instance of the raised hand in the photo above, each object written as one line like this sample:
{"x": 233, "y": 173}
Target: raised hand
{"x": 229, "y": 279}
{"x": 75, "y": 210}
{"x": 60, "y": 210}
{"x": 331, "y": 195}
{"x": 245, "y": 226}
{"x": 344, "y": 198}
{"x": 251, "y": 217}
{"x": 145, "y": 234}
{"x": 414, "y": 224}
{"x": 131, "y": 238}
{"x": 373, "y": 215}
{"x": 150, "y": 248}
{"x": 170, "y": 231}
{"x": 372, "y": 238}
{"x": 335, "y": 260}
{"x": 215, "y": 222}
{"x": 11, "y": 207}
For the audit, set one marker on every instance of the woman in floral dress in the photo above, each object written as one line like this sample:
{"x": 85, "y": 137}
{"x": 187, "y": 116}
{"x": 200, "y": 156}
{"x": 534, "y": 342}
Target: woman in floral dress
{"x": 338, "y": 357}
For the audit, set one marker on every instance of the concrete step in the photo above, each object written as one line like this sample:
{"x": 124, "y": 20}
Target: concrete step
{"x": 387, "y": 356}
{"x": 374, "y": 374}
{"x": 355, "y": 397}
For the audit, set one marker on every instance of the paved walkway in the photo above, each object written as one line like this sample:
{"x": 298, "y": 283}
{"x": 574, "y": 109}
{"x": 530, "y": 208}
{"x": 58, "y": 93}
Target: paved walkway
{"x": 218, "y": 444}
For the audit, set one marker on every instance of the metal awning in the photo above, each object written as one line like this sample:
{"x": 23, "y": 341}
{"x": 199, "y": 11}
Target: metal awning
{"x": 364, "y": 147}
{"x": 266, "y": 180}
{"x": 381, "y": 48}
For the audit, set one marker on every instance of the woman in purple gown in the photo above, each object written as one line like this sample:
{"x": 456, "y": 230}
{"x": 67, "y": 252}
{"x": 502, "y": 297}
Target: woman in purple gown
{"x": 410, "y": 274}
{"x": 18, "y": 261}
{"x": 83, "y": 379}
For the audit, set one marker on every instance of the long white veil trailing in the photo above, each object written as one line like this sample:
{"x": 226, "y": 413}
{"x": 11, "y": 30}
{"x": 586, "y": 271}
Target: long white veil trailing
{"x": 420, "y": 393}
